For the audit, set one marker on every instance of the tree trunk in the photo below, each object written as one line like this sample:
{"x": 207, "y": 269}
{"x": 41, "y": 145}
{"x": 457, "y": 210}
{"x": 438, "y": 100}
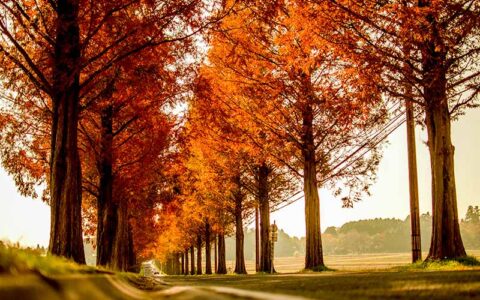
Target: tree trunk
{"x": 182, "y": 263}
{"x": 257, "y": 241}
{"x": 132, "y": 259}
{"x": 65, "y": 170}
{"x": 222, "y": 264}
{"x": 186, "y": 263}
{"x": 178, "y": 267}
{"x": 199, "y": 254}
{"x": 215, "y": 254}
{"x": 265, "y": 245}
{"x": 106, "y": 209}
{"x": 446, "y": 240}
{"x": 413, "y": 184}
{"x": 208, "y": 253}
{"x": 192, "y": 260}
{"x": 313, "y": 247}
{"x": 239, "y": 236}
{"x": 121, "y": 251}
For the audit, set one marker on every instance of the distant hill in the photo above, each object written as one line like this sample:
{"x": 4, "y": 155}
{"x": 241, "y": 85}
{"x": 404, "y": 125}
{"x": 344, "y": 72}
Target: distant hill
{"x": 364, "y": 236}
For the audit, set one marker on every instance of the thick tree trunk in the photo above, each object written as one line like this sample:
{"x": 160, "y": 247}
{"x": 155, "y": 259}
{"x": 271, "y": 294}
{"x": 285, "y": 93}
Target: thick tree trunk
{"x": 314, "y": 251}
{"x": 222, "y": 263}
{"x": 106, "y": 208}
{"x": 239, "y": 236}
{"x": 192, "y": 260}
{"x": 263, "y": 199}
{"x": 257, "y": 241}
{"x": 446, "y": 240}
{"x": 65, "y": 170}
{"x": 132, "y": 259}
{"x": 199, "y": 254}
{"x": 208, "y": 248}
{"x": 186, "y": 262}
{"x": 413, "y": 185}
{"x": 121, "y": 250}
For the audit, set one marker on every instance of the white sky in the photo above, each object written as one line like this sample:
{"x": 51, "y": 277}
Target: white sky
{"x": 28, "y": 220}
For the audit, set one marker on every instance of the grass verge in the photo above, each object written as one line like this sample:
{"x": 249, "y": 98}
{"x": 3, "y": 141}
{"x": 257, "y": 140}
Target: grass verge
{"x": 462, "y": 263}
{"x": 15, "y": 261}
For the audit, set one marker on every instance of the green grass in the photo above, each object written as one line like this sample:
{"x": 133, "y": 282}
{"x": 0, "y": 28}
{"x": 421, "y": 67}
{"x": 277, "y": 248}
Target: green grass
{"x": 463, "y": 263}
{"x": 18, "y": 261}
{"x": 343, "y": 285}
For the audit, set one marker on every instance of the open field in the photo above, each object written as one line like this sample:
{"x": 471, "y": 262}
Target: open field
{"x": 24, "y": 275}
{"x": 366, "y": 276}
{"x": 344, "y": 262}
{"x": 342, "y": 285}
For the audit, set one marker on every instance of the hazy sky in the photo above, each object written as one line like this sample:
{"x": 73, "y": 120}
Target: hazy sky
{"x": 28, "y": 220}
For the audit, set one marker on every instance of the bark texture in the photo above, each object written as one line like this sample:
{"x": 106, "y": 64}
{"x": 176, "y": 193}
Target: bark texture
{"x": 199, "y": 254}
{"x": 222, "y": 263}
{"x": 446, "y": 242}
{"x": 186, "y": 263}
{"x": 106, "y": 208}
{"x": 65, "y": 172}
{"x": 122, "y": 245}
{"x": 264, "y": 205}
{"x": 208, "y": 248}
{"x": 192, "y": 260}
{"x": 182, "y": 262}
{"x": 239, "y": 236}
{"x": 314, "y": 251}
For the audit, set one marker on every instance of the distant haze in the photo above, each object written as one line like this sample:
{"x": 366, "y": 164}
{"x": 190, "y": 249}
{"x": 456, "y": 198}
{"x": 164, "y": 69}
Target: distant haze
{"x": 28, "y": 220}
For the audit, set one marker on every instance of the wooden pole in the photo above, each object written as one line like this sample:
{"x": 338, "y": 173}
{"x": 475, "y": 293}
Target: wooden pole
{"x": 257, "y": 241}
{"x": 413, "y": 184}
{"x": 215, "y": 253}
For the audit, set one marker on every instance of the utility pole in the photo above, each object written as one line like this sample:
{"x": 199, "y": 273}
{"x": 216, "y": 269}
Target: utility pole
{"x": 413, "y": 183}
{"x": 216, "y": 252}
{"x": 257, "y": 242}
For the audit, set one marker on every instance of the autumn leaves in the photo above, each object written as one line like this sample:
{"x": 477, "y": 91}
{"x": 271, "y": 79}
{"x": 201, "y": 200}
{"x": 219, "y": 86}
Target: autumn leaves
{"x": 291, "y": 96}
{"x": 91, "y": 84}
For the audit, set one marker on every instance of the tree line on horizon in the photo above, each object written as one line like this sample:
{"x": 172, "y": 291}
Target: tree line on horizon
{"x": 366, "y": 236}
{"x": 162, "y": 126}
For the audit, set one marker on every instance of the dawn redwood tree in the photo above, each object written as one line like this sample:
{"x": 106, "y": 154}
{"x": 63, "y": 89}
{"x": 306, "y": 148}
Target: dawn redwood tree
{"x": 208, "y": 248}
{"x": 199, "y": 254}
{"x": 318, "y": 105}
{"x": 60, "y": 81}
{"x": 130, "y": 112}
{"x": 267, "y": 181}
{"x": 443, "y": 70}
{"x": 185, "y": 254}
{"x": 222, "y": 264}
{"x": 61, "y": 50}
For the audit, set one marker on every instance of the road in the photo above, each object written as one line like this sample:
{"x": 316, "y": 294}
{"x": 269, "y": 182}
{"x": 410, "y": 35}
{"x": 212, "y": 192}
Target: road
{"x": 74, "y": 287}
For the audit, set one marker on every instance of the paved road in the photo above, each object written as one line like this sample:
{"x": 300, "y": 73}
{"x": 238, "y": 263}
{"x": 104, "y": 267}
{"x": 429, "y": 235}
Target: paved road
{"x": 36, "y": 287}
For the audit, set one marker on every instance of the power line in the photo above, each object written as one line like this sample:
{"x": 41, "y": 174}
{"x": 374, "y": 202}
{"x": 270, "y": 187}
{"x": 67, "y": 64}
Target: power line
{"x": 375, "y": 139}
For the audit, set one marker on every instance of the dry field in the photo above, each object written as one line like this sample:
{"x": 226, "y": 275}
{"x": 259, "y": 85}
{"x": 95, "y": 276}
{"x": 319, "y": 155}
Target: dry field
{"x": 366, "y": 276}
{"x": 372, "y": 262}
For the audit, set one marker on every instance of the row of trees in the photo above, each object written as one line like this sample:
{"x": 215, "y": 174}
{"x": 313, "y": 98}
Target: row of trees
{"x": 291, "y": 96}
{"x": 87, "y": 93}
{"x": 308, "y": 91}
